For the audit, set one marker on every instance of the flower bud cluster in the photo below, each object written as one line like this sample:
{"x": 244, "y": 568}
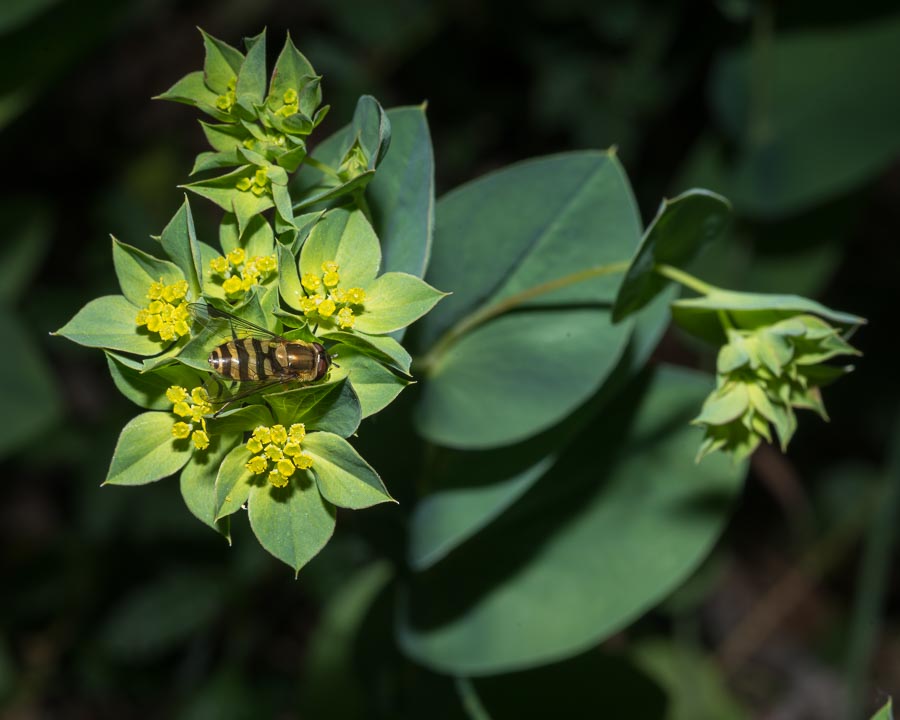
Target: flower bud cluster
{"x": 195, "y": 406}
{"x": 326, "y": 299}
{"x": 762, "y": 376}
{"x": 167, "y": 313}
{"x": 279, "y": 451}
{"x": 241, "y": 273}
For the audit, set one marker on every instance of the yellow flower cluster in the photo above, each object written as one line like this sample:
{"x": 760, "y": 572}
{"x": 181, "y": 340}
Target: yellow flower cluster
{"x": 167, "y": 312}
{"x": 227, "y": 100}
{"x": 325, "y": 298}
{"x": 275, "y": 140}
{"x": 291, "y": 103}
{"x": 258, "y": 185}
{"x": 240, "y": 272}
{"x": 194, "y": 406}
{"x": 279, "y": 449}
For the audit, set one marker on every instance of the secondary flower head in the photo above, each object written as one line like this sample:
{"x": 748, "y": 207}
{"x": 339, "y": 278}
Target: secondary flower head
{"x": 763, "y": 375}
{"x": 239, "y": 273}
{"x": 166, "y": 314}
{"x": 325, "y": 297}
{"x": 193, "y": 407}
{"x": 278, "y": 450}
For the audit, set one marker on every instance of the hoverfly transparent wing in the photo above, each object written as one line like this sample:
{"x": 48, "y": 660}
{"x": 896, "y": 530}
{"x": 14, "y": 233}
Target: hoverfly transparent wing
{"x": 209, "y": 316}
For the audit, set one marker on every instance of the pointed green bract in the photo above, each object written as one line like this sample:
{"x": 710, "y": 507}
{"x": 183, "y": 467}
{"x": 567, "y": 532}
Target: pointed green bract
{"x": 198, "y": 483}
{"x": 148, "y": 390}
{"x": 233, "y": 482}
{"x": 109, "y": 322}
{"x": 137, "y": 270}
{"x": 293, "y": 523}
{"x": 251, "y": 80}
{"x": 222, "y": 63}
{"x": 346, "y": 238}
{"x": 395, "y": 300}
{"x": 342, "y": 476}
{"x": 324, "y": 406}
{"x": 179, "y": 240}
{"x": 375, "y": 385}
{"x": 147, "y": 451}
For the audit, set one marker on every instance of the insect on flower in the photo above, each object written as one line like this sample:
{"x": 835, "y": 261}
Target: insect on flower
{"x": 254, "y": 354}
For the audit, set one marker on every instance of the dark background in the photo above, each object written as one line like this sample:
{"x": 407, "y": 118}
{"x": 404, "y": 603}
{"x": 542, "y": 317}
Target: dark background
{"x": 117, "y": 603}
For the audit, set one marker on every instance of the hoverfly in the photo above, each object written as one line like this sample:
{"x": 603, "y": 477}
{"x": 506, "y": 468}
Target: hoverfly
{"x": 259, "y": 355}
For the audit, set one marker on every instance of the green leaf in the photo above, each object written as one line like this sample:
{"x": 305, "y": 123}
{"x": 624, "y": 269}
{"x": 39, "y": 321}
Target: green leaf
{"x": 251, "y": 80}
{"x": 147, "y": 451}
{"x": 257, "y": 239}
{"x": 395, "y": 300}
{"x": 148, "y": 389}
{"x": 502, "y": 235}
{"x": 224, "y": 137}
{"x": 293, "y": 523}
{"x": 401, "y": 195}
{"x": 233, "y": 482}
{"x": 886, "y": 712}
{"x": 331, "y": 406}
{"x": 222, "y": 190}
{"x": 320, "y": 194}
{"x": 289, "y": 285}
{"x": 372, "y": 127}
{"x": 516, "y": 376}
{"x": 628, "y": 496}
{"x": 109, "y": 322}
{"x": 28, "y": 386}
{"x": 222, "y": 63}
{"x": 346, "y": 238}
{"x": 700, "y": 316}
{"x": 137, "y": 269}
{"x": 241, "y": 419}
{"x": 381, "y": 347}
{"x": 292, "y": 71}
{"x": 681, "y": 228}
{"x": 375, "y": 385}
{"x": 343, "y": 477}
{"x": 198, "y": 482}
{"x": 192, "y": 90}
{"x": 774, "y": 164}
{"x": 725, "y": 405}
{"x": 694, "y": 686}
{"x": 179, "y": 240}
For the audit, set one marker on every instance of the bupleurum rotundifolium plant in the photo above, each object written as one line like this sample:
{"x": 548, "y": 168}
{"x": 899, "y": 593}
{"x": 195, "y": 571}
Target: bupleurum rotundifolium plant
{"x": 308, "y": 277}
{"x": 301, "y": 261}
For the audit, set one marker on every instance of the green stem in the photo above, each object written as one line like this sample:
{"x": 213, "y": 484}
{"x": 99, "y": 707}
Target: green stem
{"x": 481, "y": 316}
{"x": 322, "y": 167}
{"x": 686, "y": 279}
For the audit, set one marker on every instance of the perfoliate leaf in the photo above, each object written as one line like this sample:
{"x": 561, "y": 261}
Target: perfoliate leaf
{"x": 251, "y": 80}
{"x": 375, "y": 385}
{"x": 222, "y": 64}
{"x": 347, "y": 238}
{"x": 109, "y": 322}
{"x": 179, "y": 240}
{"x": 292, "y": 71}
{"x": 147, "y": 451}
{"x": 725, "y": 405}
{"x": 136, "y": 270}
{"x": 148, "y": 389}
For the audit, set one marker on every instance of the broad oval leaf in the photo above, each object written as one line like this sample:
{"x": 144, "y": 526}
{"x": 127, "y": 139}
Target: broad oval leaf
{"x": 147, "y": 451}
{"x": 395, "y": 300}
{"x": 376, "y": 386}
{"x": 342, "y": 476}
{"x": 109, "y": 322}
{"x": 136, "y": 269}
{"x": 347, "y": 238}
{"x": 509, "y": 233}
{"x": 293, "y": 523}
{"x": 198, "y": 482}
{"x": 682, "y": 226}
{"x": 602, "y": 537}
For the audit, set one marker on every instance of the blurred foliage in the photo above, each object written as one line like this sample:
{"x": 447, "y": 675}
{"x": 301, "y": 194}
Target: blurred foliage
{"x": 791, "y": 111}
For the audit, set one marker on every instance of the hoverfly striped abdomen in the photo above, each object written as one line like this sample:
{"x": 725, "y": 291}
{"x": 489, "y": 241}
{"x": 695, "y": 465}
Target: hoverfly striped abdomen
{"x": 254, "y": 359}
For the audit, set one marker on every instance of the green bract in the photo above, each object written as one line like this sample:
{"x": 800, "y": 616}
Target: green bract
{"x": 278, "y": 449}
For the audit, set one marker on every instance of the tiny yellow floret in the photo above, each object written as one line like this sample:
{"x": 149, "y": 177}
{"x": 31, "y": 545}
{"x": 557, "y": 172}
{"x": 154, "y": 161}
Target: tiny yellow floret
{"x": 176, "y": 393}
{"x": 201, "y": 439}
{"x": 279, "y": 434}
{"x": 243, "y": 184}
{"x": 257, "y": 465}
{"x": 345, "y": 317}
{"x": 263, "y": 434}
{"x": 232, "y": 285}
{"x": 330, "y": 266}
{"x": 356, "y": 296}
{"x": 286, "y": 468}
{"x": 254, "y": 445}
{"x": 261, "y": 177}
{"x": 181, "y": 430}
{"x": 290, "y": 96}
{"x": 273, "y": 452}
{"x": 303, "y": 461}
{"x": 297, "y": 432}
{"x": 311, "y": 282}
{"x": 237, "y": 256}
{"x": 182, "y": 409}
{"x": 326, "y": 307}
{"x": 277, "y": 479}
{"x": 331, "y": 279}
{"x": 219, "y": 265}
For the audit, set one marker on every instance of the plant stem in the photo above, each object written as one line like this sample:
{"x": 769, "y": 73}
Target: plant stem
{"x": 482, "y": 315}
{"x": 322, "y": 167}
{"x": 686, "y": 279}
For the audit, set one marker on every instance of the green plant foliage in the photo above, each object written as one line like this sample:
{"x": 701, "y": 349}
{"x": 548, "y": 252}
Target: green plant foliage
{"x": 569, "y": 555}
{"x": 778, "y": 165}
{"x": 542, "y": 220}
{"x": 681, "y": 228}
{"x": 886, "y": 712}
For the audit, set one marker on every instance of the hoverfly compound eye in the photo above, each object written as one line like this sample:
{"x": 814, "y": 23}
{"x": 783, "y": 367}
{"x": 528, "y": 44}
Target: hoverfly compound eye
{"x": 323, "y": 362}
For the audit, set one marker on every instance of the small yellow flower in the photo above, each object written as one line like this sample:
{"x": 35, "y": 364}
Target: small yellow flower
{"x": 201, "y": 439}
{"x": 237, "y": 256}
{"x": 257, "y": 465}
{"x": 258, "y": 190}
{"x": 181, "y": 327}
{"x": 273, "y": 452}
{"x": 311, "y": 282}
{"x": 292, "y": 448}
{"x": 345, "y": 317}
{"x": 254, "y": 445}
{"x": 181, "y": 430}
{"x": 261, "y": 177}
{"x": 326, "y": 307}
{"x": 303, "y": 461}
{"x": 156, "y": 290}
{"x": 199, "y": 396}
{"x": 297, "y": 432}
{"x": 142, "y": 317}
{"x": 286, "y": 468}
{"x": 309, "y": 304}
{"x": 243, "y": 184}
{"x": 263, "y": 434}
{"x": 290, "y": 96}
{"x": 267, "y": 263}
{"x": 330, "y": 266}
{"x": 356, "y": 296}
{"x": 232, "y": 285}
{"x": 279, "y": 434}
{"x": 277, "y": 479}
{"x": 331, "y": 279}
{"x": 182, "y": 409}
{"x": 176, "y": 394}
